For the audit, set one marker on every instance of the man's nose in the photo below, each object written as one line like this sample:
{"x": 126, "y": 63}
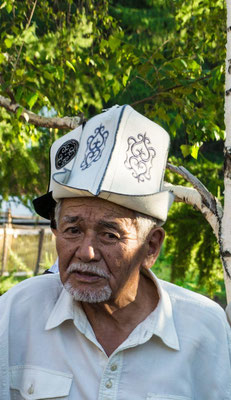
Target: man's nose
{"x": 87, "y": 249}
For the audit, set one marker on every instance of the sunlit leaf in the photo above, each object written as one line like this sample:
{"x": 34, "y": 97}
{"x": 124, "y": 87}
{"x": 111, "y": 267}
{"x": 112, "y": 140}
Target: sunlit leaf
{"x": 9, "y": 42}
{"x": 194, "y": 150}
{"x": 70, "y": 65}
{"x": 186, "y": 149}
{"x": 31, "y": 100}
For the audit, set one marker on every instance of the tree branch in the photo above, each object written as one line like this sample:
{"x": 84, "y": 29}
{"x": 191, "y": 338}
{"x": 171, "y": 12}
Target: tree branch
{"x": 149, "y": 98}
{"x": 192, "y": 197}
{"x": 210, "y": 207}
{"x": 208, "y": 199}
{"x": 38, "y": 120}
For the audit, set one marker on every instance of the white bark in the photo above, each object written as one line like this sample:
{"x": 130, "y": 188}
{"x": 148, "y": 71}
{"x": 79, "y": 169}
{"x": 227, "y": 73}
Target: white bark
{"x": 207, "y": 198}
{"x": 193, "y": 198}
{"x": 225, "y": 237}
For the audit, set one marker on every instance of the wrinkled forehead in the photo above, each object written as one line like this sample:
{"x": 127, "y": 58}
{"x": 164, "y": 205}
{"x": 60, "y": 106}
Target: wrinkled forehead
{"x": 94, "y": 207}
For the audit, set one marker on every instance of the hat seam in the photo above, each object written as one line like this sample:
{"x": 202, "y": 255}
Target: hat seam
{"x": 109, "y": 158}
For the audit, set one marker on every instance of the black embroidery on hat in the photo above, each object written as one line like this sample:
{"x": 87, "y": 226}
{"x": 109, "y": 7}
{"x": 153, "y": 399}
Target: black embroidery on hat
{"x": 95, "y": 146}
{"x": 66, "y": 153}
{"x": 139, "y": 157}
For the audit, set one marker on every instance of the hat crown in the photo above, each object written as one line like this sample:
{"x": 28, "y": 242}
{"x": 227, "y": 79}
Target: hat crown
{"x": 118, "y": 155}
{"x": 118, "y": 151}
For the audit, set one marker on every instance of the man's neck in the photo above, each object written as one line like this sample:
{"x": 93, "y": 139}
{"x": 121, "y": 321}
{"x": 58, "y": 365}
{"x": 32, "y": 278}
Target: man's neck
{"x": 112, "y": 323}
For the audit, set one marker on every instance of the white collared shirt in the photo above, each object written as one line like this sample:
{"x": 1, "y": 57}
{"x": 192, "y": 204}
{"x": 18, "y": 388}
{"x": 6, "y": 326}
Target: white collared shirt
{"x": 48, "y": 349}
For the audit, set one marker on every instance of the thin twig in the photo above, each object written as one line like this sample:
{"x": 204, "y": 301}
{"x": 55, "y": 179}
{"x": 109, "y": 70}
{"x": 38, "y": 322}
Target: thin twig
{"x": 145, "y": 81}
{"x": 21, "y": 47}
{"x": 149, "y": 98}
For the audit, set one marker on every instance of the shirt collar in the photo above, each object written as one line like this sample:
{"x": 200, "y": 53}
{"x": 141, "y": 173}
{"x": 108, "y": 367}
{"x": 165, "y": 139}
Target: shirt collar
{"x": 160, "y": 322}
{"x": 62, "y": 310}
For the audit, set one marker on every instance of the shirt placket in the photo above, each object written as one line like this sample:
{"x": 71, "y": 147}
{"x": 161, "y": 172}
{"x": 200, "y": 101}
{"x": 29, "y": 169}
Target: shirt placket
{"x": 111, "y": 376}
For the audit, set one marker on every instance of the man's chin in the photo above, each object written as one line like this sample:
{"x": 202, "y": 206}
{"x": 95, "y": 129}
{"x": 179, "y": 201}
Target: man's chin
{"x": 89, "y": 295}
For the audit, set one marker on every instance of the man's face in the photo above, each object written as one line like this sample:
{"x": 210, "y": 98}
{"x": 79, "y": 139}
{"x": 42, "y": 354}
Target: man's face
{"x": 100, "y": 252}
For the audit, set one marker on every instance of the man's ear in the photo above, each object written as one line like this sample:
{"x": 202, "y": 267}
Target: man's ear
{"x": 154, "y": 242}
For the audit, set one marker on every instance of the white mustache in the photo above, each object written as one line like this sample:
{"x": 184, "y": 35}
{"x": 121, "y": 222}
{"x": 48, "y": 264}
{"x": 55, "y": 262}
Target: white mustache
{"x": 82, "y": 267}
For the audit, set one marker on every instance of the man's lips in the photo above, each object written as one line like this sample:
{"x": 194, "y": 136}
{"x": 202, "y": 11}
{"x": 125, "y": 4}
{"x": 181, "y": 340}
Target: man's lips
{"x": 86, "y": 276}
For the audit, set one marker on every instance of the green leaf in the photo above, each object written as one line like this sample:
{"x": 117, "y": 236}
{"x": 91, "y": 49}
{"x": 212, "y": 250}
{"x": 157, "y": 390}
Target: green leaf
{"x": 48, "y": 76}
{"x": 2, "y": 58}
{"x": 60, "y": 74}
{"x": 9, "y": 7}
{"x": 125, "y": 79}
{"x": 115, "y": 87}
{"x": 219, "y": 192}
{"x": 114, "y": 43}
{"x": 184, "y": 63}
{"x": 31, "y": 100}
{"x": 70, "y": 65}
{"x": 186, "y": 150}
{"x": 8, "y": 42}
{"x": 178, "y": 120}
{"x": 28, "y": 35}
{"x": 194, "y": 150}
{"x": 106, "y": 97}
{"x": 19, "y": 112}
{"x": 19, "y": 94}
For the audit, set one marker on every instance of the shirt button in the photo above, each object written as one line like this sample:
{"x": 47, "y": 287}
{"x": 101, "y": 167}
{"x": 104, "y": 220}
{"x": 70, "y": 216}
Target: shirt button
{"x": 31, "y": 389}
{"x": 113, "y": 367}
{"x": 108, "y": 384}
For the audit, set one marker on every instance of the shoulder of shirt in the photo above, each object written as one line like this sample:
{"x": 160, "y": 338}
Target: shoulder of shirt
{"x": 48, "y": 286}
{"x": 187, "y": 301}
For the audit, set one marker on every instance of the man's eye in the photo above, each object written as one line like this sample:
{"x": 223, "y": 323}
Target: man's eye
{"x": 72, "y": 231}
{"x": 110, "y": 236}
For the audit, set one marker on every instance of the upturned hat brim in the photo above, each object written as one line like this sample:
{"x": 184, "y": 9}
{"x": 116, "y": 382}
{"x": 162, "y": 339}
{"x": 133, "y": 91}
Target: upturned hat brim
{"x": 156, "y": 204}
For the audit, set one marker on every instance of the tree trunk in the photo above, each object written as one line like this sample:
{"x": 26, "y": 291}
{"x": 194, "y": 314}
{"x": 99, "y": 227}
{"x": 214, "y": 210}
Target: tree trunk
{"x": 226, "y": 220}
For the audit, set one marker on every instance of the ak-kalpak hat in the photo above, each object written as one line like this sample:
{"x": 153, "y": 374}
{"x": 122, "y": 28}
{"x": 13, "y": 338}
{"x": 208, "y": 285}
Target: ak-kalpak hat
{"x": 118, "y": 155}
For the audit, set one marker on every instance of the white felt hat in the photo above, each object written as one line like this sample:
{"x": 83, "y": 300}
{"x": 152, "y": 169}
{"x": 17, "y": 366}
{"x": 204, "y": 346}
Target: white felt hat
{"x": 118, "y": 155}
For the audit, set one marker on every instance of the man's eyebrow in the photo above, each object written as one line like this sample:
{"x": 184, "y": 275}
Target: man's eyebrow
{"x": 71, "y": 219}
{"x": 110, "y": 225}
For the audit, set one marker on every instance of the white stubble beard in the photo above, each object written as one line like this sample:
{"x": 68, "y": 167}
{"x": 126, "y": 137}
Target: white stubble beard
{"x": 88, "y": 295}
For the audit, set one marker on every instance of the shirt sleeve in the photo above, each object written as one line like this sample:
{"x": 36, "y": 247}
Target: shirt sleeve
{"x": 228, "y": 330}
{"x": 4, "y": 347}
{"x": 228, "y": 313}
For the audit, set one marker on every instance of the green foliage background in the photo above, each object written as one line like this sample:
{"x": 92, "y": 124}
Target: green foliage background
{"x": 166, "y": 58}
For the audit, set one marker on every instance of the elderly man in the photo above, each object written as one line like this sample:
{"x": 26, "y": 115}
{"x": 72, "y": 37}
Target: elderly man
{"x": 106, "y": 327}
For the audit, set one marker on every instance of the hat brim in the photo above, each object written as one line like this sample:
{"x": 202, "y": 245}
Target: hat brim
{"x": 154, "y": 204}
{"x": 44, "y": 205}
